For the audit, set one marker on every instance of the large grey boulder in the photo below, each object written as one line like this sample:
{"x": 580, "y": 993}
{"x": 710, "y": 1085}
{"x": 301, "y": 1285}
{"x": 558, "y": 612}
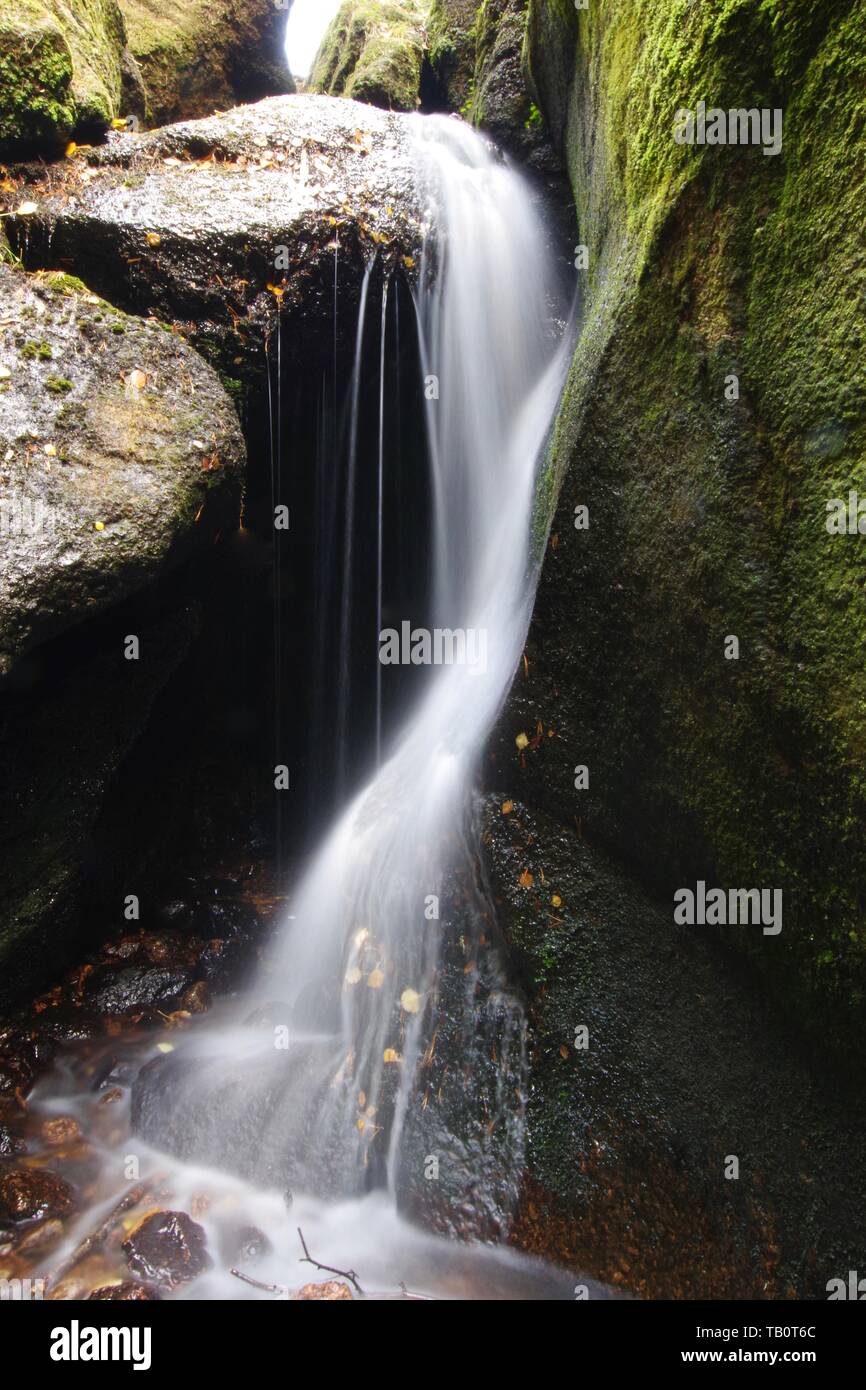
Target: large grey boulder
{"x": 119, "y": 451}
{"x": 228, "y": 223}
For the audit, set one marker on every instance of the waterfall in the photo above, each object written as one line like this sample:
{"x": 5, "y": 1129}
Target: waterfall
{"x": 316, "y": 1095}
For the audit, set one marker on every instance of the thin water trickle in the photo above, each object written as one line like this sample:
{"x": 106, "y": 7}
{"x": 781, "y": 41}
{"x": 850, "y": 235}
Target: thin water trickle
{"x": 380, "y": 519}
{"x": 345, "y": 687}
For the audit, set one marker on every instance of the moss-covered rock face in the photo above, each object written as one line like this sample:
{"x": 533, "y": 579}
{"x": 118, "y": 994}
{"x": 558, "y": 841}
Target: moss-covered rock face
{"x": 373, "y": 52}
{"x": 707, "y": 495}
{"x": 200, "y": 56}
{"x": 451, "y": 39}
{"x": 478, "y": 60}
{"x": 60, "y": 71}
{"x": 119, "y": 450}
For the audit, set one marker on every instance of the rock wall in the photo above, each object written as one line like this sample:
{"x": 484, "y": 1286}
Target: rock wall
{"x": 708, "y": 496}
{"x": 122, "y": 458}
{"x": 197, "y": 57}
{"x": 73, "y": 69}
{"x": 60, "y": 71}
{"x": 373, "y": 52}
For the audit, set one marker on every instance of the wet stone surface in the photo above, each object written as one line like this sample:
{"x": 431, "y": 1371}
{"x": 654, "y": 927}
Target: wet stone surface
{"x": 187, "y": 222}
{"x": 128, "y": 1292}
{"x": 168, "y": 1248}
{"x": 31, "y": 1194}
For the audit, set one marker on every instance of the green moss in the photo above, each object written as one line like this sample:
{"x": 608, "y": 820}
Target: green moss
{"x": 58, "y": 385}
{"x": 62, "y": 283}
{"x": 36, "y": 102}
{"x": 373, "y": 52}
{"x": 707, "y": 516}
{"x": 451, "y": 44}
{"x": 59, "y": 70}
{"x": 37, "y": 351}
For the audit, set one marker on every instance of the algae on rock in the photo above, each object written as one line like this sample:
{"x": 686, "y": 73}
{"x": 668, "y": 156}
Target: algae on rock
{"x": 197, "y": 56}
{"x": 373, "y": 52}
{"x": 60, "y": 71}
{"x": 708, "y": 496}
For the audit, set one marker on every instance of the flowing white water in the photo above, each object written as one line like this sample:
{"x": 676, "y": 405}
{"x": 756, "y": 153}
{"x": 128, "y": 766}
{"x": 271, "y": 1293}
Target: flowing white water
{"x": 358, "y": 973}
{"x": 358, "y": 969}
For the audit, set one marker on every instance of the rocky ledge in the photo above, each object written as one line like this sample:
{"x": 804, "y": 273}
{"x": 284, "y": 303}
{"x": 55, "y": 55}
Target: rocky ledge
{"x": 231, "y": 222}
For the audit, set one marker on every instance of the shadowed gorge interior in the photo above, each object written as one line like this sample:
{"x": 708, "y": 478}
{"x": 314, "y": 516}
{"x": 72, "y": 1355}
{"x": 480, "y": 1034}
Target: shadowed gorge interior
{"x": 432, "y": 503}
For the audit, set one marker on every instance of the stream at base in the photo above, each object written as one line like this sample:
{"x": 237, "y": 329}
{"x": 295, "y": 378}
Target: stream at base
{"x": 246, "y": 1228}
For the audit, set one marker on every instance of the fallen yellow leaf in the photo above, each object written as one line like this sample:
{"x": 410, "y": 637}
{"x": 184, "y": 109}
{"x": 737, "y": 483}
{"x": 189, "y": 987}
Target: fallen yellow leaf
{"x": 522, "y": 741}
{"x": 137, "y": 380}
{"x": 526, "y": 880}
{"x": 410, "y": 1000}
{"x": 375, "y": 979}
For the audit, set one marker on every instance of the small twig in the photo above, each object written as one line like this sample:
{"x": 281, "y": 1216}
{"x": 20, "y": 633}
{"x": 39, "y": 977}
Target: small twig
{"x": 421, "y": 1297}
{"x": 327, "y": 1269}
{"x": 257, "y": 1284}
{"x": 103, "y": 1231}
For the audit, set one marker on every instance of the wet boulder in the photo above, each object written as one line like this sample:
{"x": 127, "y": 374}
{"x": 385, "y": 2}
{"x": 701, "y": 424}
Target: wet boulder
{"x": 130, "y": 1291}
{"x": 329, "y": 1290}
{"x": 231, "y": 224}
{"x": 168, "y": 1248}
{"x": 223, "y": 963}
{"x": 59, "y": 1131}
{"x": 247, "y": 1245}
{"x": 271, "y": 1116}
{"x": 31, "y": 1194}
{"x": 16, "y": 1076}
{"x": 226, "y": 919}
{"x": 41, "y": 1238}
{"x": 11, "y": 1144}
{"x": 119, "y": 451}
{"x": 169, "y": 949}
{"x": 134, "y": 988}
{"x": 196, "y": 999}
